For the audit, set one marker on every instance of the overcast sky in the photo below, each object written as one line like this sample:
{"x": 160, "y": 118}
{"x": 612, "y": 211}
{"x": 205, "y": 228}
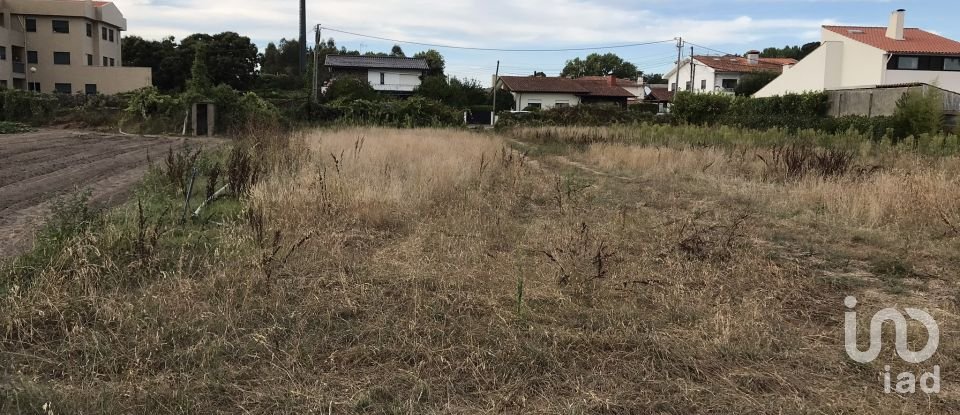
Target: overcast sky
{"x": 732, "y": 26}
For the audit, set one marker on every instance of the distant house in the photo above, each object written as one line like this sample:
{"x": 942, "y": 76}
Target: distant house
{"x": 722, "y": 73}
{"x": 632, "y": 86}
{"x": 387, "y": 74}
{"x": 854, "y": 56}
{"x": 551, "y": 92}
{"x": 658, "y": 94}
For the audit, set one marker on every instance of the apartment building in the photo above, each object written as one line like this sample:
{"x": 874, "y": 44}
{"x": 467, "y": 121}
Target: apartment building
{"x": 65, "y": 46}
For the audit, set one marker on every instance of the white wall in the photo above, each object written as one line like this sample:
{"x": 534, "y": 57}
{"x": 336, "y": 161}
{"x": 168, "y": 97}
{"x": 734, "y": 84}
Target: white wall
{"x": 862, "y": 65}
{"x": 701, "y": 73}
{"x": 810, "y": 74}
{"x": 394, "y": 79}
{"x": 546, "y": 100}
{"x": 943, "y": 79}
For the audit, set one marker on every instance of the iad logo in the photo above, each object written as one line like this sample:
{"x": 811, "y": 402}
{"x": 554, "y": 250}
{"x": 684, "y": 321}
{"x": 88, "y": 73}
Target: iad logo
{"x": 906, "y": 381}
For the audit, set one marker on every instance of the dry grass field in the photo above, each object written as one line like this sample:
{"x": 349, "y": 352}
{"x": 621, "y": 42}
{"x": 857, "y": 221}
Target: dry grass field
{"x": 442, "y": 271}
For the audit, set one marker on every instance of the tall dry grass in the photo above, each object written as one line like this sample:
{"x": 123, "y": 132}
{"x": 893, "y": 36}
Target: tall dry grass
{"x": 895, "y": 190}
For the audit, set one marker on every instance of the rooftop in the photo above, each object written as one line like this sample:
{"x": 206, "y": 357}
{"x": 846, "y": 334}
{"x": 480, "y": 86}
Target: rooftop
{"x": 915, "y": 40}
{"x": 732, "y": 63}
{"x": 375, "y": 62}
{"x": 580, "y": 86}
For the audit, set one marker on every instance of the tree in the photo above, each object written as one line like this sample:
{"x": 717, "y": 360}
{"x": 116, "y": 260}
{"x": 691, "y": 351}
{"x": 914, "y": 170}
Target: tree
{"x": 600, "y": 65}
{"x": 232, "y": 59}
{"x": 754, "y": 82}
{"x": 793, "y": 52}
{"x": 396, "y": 51}
{"x": 434, "y": 61}
{"x": 454, "y": 92}
{"x": 351, "y": 89}
{"x": 199, "y": 75}
{"x": 656, "y": 78}
{"x": 270, "y": 61}
{"x": 169, "y": 73}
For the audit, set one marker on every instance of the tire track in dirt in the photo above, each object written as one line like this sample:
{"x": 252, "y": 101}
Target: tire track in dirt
{"x": 36, "y": 168}
{"x": 50, "y": 160}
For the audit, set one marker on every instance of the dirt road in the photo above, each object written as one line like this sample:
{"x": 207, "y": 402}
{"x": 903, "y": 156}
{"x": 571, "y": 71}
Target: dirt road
{"x": 38, "y": 167}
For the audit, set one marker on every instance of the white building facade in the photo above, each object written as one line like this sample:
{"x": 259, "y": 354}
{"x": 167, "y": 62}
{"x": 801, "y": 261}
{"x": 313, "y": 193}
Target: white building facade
{"x": 386, "y": 74}
{"x": 858, "y": 57}
{"x": 712, "y": 74}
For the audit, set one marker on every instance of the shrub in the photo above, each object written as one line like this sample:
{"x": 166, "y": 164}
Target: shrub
{"x": 350, "y": 89}
{"x": 27, "y": 107}
{"x": 412, "y": 112}
{"x": 918, "y": 112}
{"x": 700, "y": 109}
{"x": 754, "y": 82}
{"x": 582, "y": 115}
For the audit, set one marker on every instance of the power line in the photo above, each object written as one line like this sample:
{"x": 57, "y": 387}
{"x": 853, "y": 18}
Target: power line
{"x": 712, "y": 50}
{"x": 434, "y": 45}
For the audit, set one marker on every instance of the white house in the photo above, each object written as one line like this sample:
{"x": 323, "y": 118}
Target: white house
{"x": 551, "y": 92}
{"x": 722, "y": 73}
{"x": 387, "y": 74}
{"x": 856, "y": 57}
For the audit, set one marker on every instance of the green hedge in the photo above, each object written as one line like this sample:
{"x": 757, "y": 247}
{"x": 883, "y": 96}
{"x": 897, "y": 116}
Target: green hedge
{"x": 412, "y": 112}
{"x": 582, "y": 115}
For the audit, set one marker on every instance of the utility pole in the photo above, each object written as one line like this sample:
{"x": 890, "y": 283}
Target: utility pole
{"x": 693, "y": 71}
{"x": 303, "y": 37}
{"x": 315, "y": 93}
{"x": 496, "y": 80}
{"x": 679, "y": 56}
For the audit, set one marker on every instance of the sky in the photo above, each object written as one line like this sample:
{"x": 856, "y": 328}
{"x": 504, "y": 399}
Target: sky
{"x": 731, "y": 26}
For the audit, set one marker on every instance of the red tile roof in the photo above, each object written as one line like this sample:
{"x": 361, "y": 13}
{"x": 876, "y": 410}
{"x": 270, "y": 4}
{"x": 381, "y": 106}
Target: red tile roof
{"x": 660, "y": 94}
{"x": 731, "y": 63}
{"x": 626, "y": 83}
{"x": 915, "y": 40}
{"x": 563, "y": 85}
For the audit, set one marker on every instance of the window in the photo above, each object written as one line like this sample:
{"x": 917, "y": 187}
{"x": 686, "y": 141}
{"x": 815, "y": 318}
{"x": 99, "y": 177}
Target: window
{"x": 383, "y": 78}
{"x": 61, "y": 26}
{"x": 33, "y": 86}
{"x": 562, "y": 104}
{"x": 111, "y": 35}
{"x": 3, "y": 53}
{"x": 673, "y": 86}
{"x": 89, "y": 29}
{"x": 728, "y": 84}
{"x": 908, "y": 62}
{"x": 31, "y": 24}
{"x": 90, "y": 89}
{"x": 951, "y": 64}
{"x": 106, "y": 61}
{"x": 89, "y": 60}
{"x": 103, "y": 33}
{"x": 534, "y": 105}
{"x": 61, "y": 58}
{"x": 112, "y": 62}
{"x": 703, "y": 84}
{"x": 63, "y": 88}
{"x": 688, "y": 86}
{"x": 32, "y": 57}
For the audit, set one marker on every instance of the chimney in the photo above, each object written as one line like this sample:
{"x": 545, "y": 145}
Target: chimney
{"x": 895, "y": 29}
{"x": 753, "y": 57}
{"x": 612, "y": 80}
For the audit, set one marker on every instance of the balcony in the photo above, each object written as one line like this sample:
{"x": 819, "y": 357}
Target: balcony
{"x": 394, "y": 87}
{"x": 19, "y": 67}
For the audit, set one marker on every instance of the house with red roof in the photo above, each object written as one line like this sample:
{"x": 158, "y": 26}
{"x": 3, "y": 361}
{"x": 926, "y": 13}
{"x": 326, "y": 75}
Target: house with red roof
{"x": 858, "y": 57}
{"x": 542, "y": 92}
{"x": 709, "y": 73}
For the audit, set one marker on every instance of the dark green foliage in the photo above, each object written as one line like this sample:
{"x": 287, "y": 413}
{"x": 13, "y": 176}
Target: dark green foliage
{"x": 10, "y": 127}
{"x": 654, "y": 78}
{"x": 795, "y": 111}
{"x": 645, "y": 107}
{"x": 454, "y": 92}
{"x": 231, "y": 59}
{"x": 28, "y": 107}
{"x": 596, "y": 64}
{"x": 700, "y": 109}
{"x": 413, "y": 112}
{"x": 582, "y": 115}
{"x": 795, "y": 52}
{"x": 917, "y": 113}
{"x": 346, "y": 89}
{"x": 435, "y": 62}
{"x": 754, "y": 82}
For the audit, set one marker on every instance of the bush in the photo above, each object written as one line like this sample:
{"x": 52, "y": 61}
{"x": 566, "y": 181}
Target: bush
{"x": 27, "y": 107}
{"x": 350, "y": 89}
{"x": 700, "y": 109}
{"x": 10, "y": 127}
{"x": 918, "y": 112}
{"x": 412, "y": 112}
{"x": 582, "y": 115}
